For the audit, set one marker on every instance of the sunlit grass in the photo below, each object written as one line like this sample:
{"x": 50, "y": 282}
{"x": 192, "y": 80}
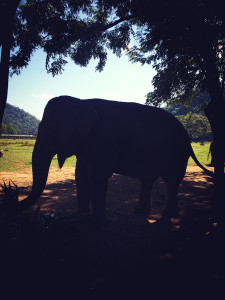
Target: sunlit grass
{"x": 201, "y": 152}
{"x": 18, "y": 155}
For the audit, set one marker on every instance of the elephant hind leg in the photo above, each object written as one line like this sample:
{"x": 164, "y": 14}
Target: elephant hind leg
{"x": 171, "y": 209}
{"x": 98, "y": 199}
{"x": 83, "y": 189}
{"x": 144, "y": 204}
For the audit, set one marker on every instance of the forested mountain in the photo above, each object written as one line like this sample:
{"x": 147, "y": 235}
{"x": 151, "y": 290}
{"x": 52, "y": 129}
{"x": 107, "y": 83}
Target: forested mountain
{"x": 17, "y": 121}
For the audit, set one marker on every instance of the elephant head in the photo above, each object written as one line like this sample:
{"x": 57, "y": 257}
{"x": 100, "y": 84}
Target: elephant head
{"x": 64, "y": 130}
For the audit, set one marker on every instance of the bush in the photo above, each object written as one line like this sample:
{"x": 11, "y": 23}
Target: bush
{"x": 197, "y": 126}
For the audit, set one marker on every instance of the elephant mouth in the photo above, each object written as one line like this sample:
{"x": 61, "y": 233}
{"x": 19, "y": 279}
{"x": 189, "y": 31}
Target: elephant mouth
{"x": 61, "y": 156}
{"x": 61, "y": 159}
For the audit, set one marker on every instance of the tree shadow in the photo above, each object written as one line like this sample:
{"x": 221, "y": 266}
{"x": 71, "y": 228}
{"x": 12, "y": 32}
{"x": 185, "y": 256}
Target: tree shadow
{"x": 122, "y": 197}
{"x": 132, "y": 256}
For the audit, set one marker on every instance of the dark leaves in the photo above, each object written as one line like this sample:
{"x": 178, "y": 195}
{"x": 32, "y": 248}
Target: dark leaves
{"x": 10, "y": 198}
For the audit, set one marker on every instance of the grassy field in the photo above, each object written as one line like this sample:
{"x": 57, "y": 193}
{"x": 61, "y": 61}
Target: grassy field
{"x": 18, "y": 153}
{"x": 201, "y": 152}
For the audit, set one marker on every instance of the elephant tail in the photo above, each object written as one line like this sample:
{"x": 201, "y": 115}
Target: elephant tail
{"x": 208, "y": 172}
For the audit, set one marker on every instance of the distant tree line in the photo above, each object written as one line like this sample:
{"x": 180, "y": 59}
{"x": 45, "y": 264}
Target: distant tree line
{"x": 8, "y": 129}
{"x": 193, "y": 118}
{"x": 197, "y": 126}
{"x": 17, "y": 121}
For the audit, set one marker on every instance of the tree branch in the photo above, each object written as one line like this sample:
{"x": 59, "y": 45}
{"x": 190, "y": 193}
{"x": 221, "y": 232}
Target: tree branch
{"x": 128, "y": 18}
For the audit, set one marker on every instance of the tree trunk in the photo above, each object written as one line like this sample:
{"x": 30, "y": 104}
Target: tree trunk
{"x": 4, "y": 75}
{"x": 7, "y": 14}
{"x": 215, "y": 114}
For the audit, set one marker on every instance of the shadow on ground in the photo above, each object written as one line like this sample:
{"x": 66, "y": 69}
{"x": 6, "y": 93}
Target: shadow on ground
{"x": 47, "y": 253}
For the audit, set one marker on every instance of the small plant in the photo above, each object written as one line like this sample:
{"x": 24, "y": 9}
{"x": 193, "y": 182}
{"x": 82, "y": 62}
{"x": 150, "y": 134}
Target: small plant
{"x": 10, "y": 197}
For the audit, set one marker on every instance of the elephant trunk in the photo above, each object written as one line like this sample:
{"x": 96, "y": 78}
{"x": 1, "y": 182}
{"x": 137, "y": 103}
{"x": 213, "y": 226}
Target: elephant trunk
{"x": 41, "y": 160}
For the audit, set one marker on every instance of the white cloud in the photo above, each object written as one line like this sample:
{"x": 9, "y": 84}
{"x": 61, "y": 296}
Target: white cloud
{"x": 42, "y": 96}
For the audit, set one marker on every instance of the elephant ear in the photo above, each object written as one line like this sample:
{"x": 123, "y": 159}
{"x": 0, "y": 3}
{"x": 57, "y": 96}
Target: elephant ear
{"x": 85, "y": 121}
{"x": 74, "y": 128}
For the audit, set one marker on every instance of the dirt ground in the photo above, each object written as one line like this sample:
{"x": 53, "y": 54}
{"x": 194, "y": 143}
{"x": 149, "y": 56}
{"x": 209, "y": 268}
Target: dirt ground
{"x": 60, "y": 192}
{"x": 134, "y": 255}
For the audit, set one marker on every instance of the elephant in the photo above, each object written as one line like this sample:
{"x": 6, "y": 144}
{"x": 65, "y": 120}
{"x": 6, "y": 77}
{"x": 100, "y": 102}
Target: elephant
{"x": 107, "y": 137}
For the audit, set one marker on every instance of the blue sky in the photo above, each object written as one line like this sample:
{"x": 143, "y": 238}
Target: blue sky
{"x": 120, "y": 80}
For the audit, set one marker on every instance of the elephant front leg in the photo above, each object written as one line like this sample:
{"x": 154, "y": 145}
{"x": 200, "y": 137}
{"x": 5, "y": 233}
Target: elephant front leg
{"x": 171, "y": 209}
{"x": 144, "y": 204}
{"x": 83, "y": 188}
{"x": 98, "y": 198}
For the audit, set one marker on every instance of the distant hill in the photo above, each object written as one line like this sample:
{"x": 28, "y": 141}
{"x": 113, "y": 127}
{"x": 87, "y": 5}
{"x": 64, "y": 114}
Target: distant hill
{"x": 19, "y": 121}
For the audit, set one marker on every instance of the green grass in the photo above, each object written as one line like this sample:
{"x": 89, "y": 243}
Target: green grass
{"x": 18, "y": 154}
{"x": 201, "y": 152}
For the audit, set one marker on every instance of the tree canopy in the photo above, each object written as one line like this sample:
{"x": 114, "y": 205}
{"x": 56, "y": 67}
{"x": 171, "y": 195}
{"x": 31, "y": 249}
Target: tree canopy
{"x": 184, "y": 40}
{"x": 188, "y": 51}
{"x": 80, "y": 30}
